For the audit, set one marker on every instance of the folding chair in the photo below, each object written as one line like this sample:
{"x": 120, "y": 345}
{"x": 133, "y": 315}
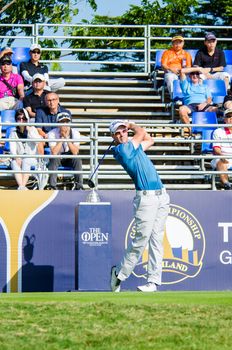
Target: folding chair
{"x": 203, "y": 118}
{"x": 228, "y": 56}
{"x": 20, "y": 54}
{"x": 207, "y": 147}
{"x": 192, "y": 53}
{"x": 7, "y": 116}
{"x": 157, "y": 67}
{"x": 177, "y": 96}
{"x": 217, "y": 88}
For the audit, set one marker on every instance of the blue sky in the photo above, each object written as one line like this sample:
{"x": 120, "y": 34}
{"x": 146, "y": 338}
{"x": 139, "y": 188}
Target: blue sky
{"x": 105, "y": 7}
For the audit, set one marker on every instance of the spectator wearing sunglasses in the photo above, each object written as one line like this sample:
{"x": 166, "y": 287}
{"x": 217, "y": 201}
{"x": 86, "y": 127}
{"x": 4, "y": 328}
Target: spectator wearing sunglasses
{"x": 196, "y": 95}
{"x": 23, "y": 147}
{"x": 11, "y": 86}
{"x": 33, "y": 66}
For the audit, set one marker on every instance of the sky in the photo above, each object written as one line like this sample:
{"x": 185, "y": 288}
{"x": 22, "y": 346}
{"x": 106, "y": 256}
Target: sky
{"x": 105, "y": 8}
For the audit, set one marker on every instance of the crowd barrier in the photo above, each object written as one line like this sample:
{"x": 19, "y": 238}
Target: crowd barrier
{"x": 39, "y": 233}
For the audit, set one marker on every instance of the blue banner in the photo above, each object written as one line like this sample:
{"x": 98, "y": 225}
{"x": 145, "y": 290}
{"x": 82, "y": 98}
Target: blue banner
{"x": 37, "y": 240}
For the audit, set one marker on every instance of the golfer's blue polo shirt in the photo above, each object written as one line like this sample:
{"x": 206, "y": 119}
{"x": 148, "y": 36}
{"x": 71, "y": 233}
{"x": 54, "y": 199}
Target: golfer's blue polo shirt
{"x": 138, "y": 166}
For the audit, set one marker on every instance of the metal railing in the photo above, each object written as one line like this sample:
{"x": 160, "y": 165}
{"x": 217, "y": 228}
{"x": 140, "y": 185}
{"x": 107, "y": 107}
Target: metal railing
{"x": 96, "y": 142}
{"x": 86, "y": 47}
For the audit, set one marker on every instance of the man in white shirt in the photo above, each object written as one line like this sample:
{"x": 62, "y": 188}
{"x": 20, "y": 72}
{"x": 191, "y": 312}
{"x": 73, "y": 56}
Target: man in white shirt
{"x": 65, "y": 148}
{"x": 224, "y": 149}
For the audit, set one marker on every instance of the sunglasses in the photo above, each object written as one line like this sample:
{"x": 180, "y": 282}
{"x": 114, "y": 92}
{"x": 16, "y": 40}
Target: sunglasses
{"x": 36, "y": 52}
{"x": 7, "y": 63}
{"x": 21, "y": 118}
{"x": 37, "y": 81}
{"x": 195, "y": 74}
{"x": 119, "y": 132}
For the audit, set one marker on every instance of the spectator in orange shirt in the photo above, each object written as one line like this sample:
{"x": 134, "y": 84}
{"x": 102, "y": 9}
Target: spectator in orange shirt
{"x": 173, "y": 60}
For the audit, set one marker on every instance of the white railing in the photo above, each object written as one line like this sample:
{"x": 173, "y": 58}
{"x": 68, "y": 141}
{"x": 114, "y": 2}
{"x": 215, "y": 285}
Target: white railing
{"x": 96, "y": 144}
{"x": 136, "y": 50}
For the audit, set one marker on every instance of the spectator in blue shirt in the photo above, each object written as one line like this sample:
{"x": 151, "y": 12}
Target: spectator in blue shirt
{"x": 48, "y": 115}
{"x": 196, "y": 96}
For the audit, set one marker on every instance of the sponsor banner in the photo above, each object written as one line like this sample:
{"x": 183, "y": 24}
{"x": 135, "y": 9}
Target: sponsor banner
{"x": 37, "y": 240}
{"x": 94, "y": 246}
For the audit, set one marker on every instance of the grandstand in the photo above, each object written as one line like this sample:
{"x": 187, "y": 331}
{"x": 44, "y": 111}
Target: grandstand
{"x": 129, "y": 87}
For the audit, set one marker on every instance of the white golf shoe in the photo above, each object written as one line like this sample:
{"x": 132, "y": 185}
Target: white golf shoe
{"x": 115, "y": 282}
{"x": 149, "y": 287}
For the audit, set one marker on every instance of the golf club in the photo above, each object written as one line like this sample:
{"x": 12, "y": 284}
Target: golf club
{"x": 90, "y": 182}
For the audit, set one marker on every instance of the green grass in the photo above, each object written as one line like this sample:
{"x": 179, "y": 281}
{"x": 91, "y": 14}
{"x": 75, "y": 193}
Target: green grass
{"x": 167, "y": 320}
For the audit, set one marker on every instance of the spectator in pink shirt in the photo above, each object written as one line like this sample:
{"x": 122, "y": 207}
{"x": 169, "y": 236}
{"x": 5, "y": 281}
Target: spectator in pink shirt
{"x": 11, "y": 86}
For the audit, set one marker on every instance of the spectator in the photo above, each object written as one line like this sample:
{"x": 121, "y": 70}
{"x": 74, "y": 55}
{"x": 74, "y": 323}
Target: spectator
{"x": 64, "y": 148}
{"x": 8, "y": 52}
{"x": 11, "y": 86}
{"x": 37, "y": 98}
{"x": 173, "y": 60}
{"x": 196, "y": 96}
{"x": 48, "y": 115}
{"x": 23, "y": 147}
{"x": 220, "y": 148}
{"x": 227, "y": 103}
{"x": 33, "y": 66}
{"x": 212, "y": 59}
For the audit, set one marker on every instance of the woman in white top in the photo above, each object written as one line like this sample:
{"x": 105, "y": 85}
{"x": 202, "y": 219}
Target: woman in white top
{"x": 23, "y": 147}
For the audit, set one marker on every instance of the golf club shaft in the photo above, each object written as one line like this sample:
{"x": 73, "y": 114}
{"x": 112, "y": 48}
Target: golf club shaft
{"x": 101, "y": 160}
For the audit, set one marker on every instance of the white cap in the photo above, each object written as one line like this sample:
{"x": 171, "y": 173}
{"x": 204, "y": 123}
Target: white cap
{"x": 38, "y": 76}
{"x": 115, "y": 125}
{"x": 35, "y": 46}
{"x": 227, "y": 111}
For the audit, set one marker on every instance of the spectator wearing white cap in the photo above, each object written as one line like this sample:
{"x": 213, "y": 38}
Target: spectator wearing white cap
{"x": 33, "y": 66}
{"x": 36, "y": 99}
{"x": 224, "y": 149}
{"x": 212, "y": 59}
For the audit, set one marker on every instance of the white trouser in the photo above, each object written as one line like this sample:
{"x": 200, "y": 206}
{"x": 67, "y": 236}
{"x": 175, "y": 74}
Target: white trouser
{"x": 9, "y": 102}
{"x": 27, "y": 163}
{"x": 151, "y": 211}
{"x": 169, "y": 78}
{"x": 55, "y": 84}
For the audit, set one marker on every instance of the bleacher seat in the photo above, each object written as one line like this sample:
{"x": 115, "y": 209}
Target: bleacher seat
{"x": 203, "y": 118}
{"x": 8, "y": 115}
{"x": 207, "y": 147}
{"x": 177, "y": 96}
{"x": 228, "y": 69}
{"x": 192, "y": 53}
{"x": 20, "y": 54}
{"x": 228, "y": 56}
{"x": 217, "y": 88}
{"x": 7, "y": 143}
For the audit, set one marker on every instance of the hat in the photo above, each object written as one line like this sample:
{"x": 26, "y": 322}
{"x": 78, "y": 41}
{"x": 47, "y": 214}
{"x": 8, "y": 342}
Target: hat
{"x": 115, "y": 125}
{"x": 178, "y": 37}
{"x": 227, "y": 111}
{"x": 63, "y": 116}
{"x": 5, "y": 58}
{"x": 38, "y": 76}
{"x": 210, "y": 36}
{"x": 6, "y": 51}
{"x": 35, "y": 46}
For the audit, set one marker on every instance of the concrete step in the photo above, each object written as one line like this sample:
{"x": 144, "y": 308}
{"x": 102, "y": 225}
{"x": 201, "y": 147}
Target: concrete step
{"x": 110, "y": 97}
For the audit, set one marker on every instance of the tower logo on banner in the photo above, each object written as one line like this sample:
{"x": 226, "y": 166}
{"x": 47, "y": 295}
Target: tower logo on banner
{"x": 184, "y": 247}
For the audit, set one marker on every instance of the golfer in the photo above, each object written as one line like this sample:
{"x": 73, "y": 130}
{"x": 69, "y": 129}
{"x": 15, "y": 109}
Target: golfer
{"x": 151, "y": 205}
